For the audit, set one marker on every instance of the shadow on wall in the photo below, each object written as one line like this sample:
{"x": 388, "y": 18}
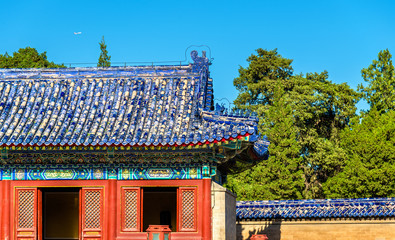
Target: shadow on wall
{"x": 271, "y": 228}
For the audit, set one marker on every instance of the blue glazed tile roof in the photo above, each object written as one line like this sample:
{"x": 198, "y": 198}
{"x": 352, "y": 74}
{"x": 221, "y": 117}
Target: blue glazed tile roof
{"x": 117, "y": 106}
{"x": 322, "y": 208}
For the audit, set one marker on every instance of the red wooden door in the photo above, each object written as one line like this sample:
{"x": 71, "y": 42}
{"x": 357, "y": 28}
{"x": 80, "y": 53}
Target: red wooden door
{"x": 26, "y": 200}
{"x": 187, "y": 209}
{"x": 92, "y": 209}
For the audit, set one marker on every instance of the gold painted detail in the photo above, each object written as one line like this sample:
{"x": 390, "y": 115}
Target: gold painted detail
{"x": 19, "y": 174}
{"x": 159, "y": 173}
{"x": 125, "y": 174}
{"x": 193, "y": 173}
{"x": 98, "y": 174}
{"x": 59, "y": 174}
{"x": 92, "y": 233}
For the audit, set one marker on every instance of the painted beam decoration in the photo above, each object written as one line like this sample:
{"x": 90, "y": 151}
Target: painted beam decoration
{"x": 107, "y": 171}
{"x": 146, "y": 158}
{"x": 316, "y": 208}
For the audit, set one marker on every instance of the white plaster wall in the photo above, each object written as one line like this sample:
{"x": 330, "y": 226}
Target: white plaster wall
{"x": 223, "y": 203}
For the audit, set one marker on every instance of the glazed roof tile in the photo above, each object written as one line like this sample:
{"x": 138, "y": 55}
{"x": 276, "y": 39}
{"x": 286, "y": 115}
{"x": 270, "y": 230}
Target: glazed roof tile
{"x": 116, "y": 106}
{"x": 316, "y": 208}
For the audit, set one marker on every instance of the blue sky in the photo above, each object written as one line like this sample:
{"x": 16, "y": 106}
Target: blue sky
{"x": 341, "y": 37}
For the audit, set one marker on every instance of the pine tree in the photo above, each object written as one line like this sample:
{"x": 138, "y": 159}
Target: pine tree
{"x": 104, "y": 58}
{"x": 302, "y": 123}
{"x": 285, "y": 163}
{"x": 281, "y": 176}
{"x": 369, "y": 141}
{"x": 380, "y": 76}
{"x": 370, "y": 167}
{"x": 256, "y": 83}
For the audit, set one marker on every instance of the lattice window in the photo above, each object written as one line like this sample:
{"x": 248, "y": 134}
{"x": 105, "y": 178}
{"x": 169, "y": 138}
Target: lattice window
{"x": 26, "y": 213}
{"x": 130, "y": 209}
{"x": 26, "y": 209}
{"x": 188, "y": 209}
{"x": 93, "y": 209}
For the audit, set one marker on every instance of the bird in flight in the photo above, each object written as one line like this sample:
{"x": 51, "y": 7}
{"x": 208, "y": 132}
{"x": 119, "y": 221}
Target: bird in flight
{"x": 77, "y": 33}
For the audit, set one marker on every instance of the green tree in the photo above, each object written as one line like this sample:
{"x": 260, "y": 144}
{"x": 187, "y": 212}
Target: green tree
{"x": 369, "y": 141}
{"x": 5, "y": 61}
{"x": 104, "y": 58}
{"x": 370, "y": 167}
{"x": 257, "y": 82}
{"x": 320, "y": 110}
{"x": 27, "y": 58}
{"x": 281, "y": 176}
{"x": 380, "y": 76}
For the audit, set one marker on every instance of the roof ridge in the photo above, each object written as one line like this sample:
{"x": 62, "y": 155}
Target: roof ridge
{"x": 179, "y": 66}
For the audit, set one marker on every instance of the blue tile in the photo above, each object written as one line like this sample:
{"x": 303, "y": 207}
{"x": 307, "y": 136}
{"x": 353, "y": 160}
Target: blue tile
{"x": 320, "y": 208}
{"x": 126, "y": 106}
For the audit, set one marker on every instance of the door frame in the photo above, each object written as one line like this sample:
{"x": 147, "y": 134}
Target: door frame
{"x": 111, "y": 200}
{"x": 202, "y": 207}
{"x": 37, "y": 184}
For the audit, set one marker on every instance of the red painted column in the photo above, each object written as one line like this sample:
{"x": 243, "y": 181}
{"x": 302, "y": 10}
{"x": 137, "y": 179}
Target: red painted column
{"x": 206, "y": 228}
{"x": 112, "y": 209}
{"x": 5, "y": 218}
{"x": 1, "y": 208}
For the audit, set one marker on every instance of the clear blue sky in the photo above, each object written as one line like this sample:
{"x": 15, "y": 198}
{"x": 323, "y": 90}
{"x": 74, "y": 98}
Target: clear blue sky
{"x": 341, "y": 37}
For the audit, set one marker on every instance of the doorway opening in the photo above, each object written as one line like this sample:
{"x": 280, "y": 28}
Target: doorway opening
{"x": 60, "y": 213}
{"x": 160, "y": 207}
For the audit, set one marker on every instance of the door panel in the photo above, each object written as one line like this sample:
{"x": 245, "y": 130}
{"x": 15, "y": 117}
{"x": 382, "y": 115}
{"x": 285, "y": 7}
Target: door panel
{"x": 92, "y": 209}
{"x": 130, "y": 209}
{"x": 187, "y": 209}
{"x": 26, "y": 213}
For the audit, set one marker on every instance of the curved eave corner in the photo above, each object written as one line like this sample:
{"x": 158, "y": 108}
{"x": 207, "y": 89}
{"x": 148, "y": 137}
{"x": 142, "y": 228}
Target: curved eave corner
{"x": 260, "y": 146}
{"x": 250, "y": 146}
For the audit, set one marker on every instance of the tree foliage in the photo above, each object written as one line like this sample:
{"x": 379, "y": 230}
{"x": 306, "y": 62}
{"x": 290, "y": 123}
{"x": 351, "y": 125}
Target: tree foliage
{"x": 27, "y": 58}
{"x": 370, "y": 167}
{"x": 256, "y": 83}
{"x": 380, "y": 76}
{"x": 281, "y": 176}
{"x": 321, "y": 109}
{"x": 104, "y": 58}
{"x": 369, "y": 141}
{"x": 316, "y": 112}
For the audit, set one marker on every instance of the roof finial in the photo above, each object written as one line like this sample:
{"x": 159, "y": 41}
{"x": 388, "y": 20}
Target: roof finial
{"x": 200, "y": 60}
{"x": 194, "y": 55}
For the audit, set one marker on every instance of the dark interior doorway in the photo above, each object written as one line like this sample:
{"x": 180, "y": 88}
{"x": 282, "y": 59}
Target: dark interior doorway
{"x": 160, "y": 207}
{"x": 60, "y": 217}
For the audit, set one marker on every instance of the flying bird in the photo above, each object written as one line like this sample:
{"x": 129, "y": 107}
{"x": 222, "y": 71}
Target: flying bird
{"x": 77, "y": 33}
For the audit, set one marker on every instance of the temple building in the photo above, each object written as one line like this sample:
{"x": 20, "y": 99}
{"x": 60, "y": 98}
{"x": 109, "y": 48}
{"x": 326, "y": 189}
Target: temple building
{"x": 102, "y": 153}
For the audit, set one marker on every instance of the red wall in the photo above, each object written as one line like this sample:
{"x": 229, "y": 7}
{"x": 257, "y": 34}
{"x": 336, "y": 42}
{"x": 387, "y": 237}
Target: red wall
{"x": 112, "y": 216}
